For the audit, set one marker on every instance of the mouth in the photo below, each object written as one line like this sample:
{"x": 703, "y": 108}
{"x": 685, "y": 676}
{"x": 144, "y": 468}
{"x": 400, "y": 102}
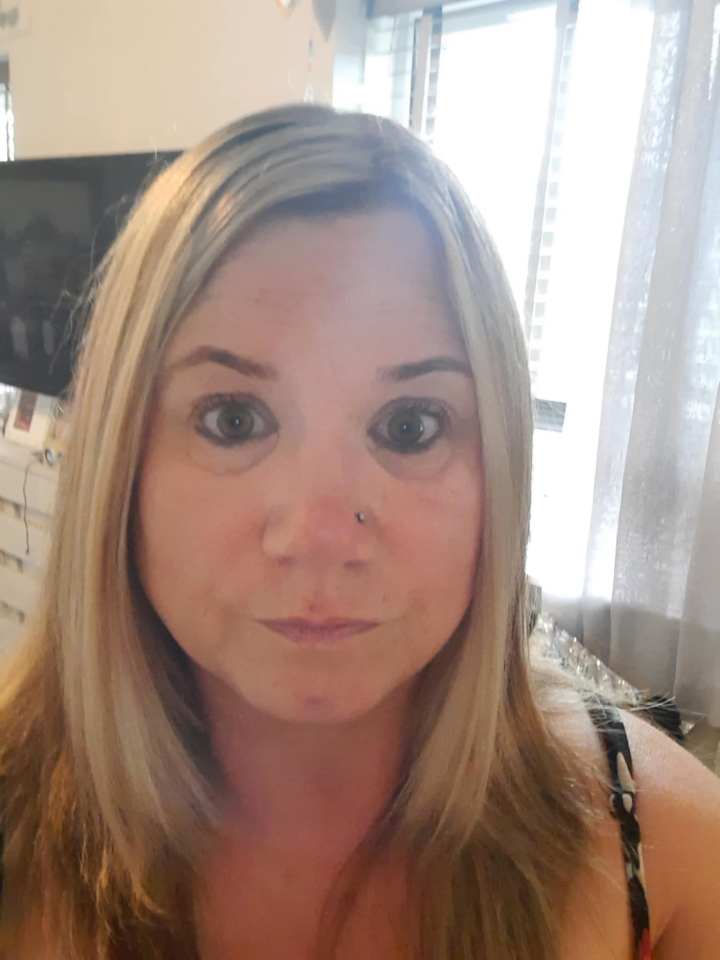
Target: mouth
{"x": 318, "y": 632}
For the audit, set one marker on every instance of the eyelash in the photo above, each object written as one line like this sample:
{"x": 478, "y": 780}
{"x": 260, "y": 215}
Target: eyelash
{"x": 406, "y": 405}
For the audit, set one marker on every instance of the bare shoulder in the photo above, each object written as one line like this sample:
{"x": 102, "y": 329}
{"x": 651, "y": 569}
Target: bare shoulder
{"x": 679, "y": 813}
{"x": 678, "y": 809}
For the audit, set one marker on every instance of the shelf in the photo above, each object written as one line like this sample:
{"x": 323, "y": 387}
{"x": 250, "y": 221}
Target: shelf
{"x": 40, "y": 483}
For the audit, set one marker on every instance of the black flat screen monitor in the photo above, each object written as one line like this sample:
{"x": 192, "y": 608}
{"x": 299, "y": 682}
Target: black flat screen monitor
{"x": 58, "y": 217}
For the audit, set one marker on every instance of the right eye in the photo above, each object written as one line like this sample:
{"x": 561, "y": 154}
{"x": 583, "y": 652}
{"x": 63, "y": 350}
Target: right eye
{"x": 228, "y": 420}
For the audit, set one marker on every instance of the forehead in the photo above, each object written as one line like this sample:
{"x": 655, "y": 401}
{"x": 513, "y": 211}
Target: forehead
{"x": 362, "y": 280}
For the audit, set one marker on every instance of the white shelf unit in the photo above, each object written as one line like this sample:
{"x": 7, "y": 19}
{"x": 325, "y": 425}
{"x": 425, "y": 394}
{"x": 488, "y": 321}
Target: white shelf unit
{"x": 24, "y": 522}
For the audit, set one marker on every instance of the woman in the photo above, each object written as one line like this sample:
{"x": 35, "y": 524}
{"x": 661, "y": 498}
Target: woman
{"x": 278, "y": 700}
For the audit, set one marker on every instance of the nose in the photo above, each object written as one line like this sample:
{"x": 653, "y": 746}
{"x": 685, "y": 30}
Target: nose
{"x": 315, "y": 521}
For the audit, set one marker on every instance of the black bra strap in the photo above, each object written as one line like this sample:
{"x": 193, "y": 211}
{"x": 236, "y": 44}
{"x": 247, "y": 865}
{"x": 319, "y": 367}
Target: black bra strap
{"x": 623, "y": 800}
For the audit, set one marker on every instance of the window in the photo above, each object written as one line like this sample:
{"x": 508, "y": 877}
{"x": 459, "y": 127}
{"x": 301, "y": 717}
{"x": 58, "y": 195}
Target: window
{"x": 518, "y": 99}
{"x": 495, "y": 143}
{"x": 389, "y": 66}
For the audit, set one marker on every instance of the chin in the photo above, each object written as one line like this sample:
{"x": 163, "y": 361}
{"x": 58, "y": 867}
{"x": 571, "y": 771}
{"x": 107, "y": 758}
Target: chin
{"x": 313, "y": 707}
{"x": 324, "y": 710}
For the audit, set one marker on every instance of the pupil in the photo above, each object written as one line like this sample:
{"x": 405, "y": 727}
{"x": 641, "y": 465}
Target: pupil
{"x": 233, "y": 422}
{"x": 406, "y": 432}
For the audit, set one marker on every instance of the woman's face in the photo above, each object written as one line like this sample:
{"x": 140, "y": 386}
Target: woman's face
{"x": 277, "y": 417}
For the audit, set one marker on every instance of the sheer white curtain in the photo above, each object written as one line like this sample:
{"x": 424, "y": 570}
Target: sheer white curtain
{"x": 650, "y": 601}
{"x": 605, "y": 95}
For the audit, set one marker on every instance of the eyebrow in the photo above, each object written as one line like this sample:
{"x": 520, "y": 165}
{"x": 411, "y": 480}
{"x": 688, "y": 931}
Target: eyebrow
{"x": 264, "y": 371}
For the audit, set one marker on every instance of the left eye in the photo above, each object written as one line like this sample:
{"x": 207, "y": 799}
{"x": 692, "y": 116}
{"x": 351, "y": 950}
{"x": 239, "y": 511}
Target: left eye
{"x": 230, "y": 421}
{"x": 409, "y": 423}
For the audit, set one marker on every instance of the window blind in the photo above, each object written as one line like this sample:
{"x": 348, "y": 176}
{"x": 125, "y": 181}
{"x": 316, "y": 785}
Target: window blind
{"x": 388, "y": 73}
{"x": 549, "y": 186}
{"x": 401, "y": 68}
{"x": 426, "y": 57}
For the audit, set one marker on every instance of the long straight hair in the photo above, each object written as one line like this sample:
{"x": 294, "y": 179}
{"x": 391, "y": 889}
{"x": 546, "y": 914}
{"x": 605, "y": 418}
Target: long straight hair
{"x": 109, "y": 789}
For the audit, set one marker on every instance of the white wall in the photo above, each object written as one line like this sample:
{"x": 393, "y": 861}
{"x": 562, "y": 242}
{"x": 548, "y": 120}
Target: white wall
{"x": 96, "y": 76}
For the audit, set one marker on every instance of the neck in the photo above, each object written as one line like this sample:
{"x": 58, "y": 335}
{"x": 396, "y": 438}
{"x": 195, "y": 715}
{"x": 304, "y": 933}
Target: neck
{"x": 292, "y": 786}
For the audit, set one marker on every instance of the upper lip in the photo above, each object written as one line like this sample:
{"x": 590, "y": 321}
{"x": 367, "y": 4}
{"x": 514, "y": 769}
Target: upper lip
{"x": 329, "y": 624}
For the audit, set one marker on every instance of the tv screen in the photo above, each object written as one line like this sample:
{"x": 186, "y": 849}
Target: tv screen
{"x": 58, "y": 217}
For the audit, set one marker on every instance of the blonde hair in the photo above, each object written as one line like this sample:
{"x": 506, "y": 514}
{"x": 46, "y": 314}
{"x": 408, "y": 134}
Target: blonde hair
{"x": 108, "y": 783}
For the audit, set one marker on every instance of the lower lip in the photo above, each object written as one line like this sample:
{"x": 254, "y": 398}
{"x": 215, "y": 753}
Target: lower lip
{"x": 318, "y": 636}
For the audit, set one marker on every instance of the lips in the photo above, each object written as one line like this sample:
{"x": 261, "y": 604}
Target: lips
{"x": 325, "y": 631}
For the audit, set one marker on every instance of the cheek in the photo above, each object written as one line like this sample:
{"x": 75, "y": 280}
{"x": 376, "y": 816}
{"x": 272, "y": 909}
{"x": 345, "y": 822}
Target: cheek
{"x": 443, "y": 537}
{"x": 183, "y": 531}
{"x": 449, "y": 520}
